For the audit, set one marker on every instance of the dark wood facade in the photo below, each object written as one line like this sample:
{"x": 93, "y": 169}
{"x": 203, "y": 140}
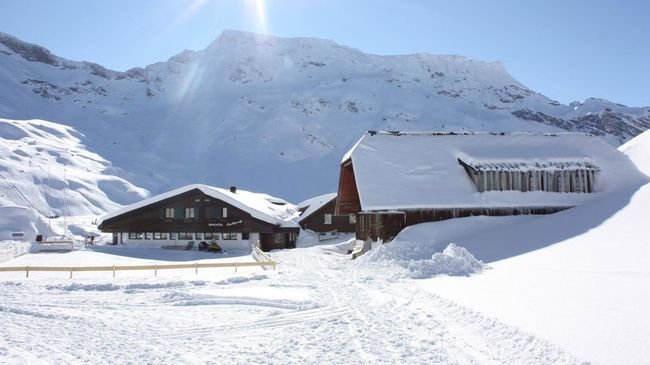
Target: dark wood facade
{"x": 385, "y": 225}
{"x": 347, "y": 199}
{"x": 317, "y": 220}
{"x": 207, "y": 217}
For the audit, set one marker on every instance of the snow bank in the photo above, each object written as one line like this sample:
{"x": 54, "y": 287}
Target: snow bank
{"x": 418, "y": 261}
{"x": 12, "y": 249}
{"x": 638, "y": 150}
{"x": 21, "y": 219}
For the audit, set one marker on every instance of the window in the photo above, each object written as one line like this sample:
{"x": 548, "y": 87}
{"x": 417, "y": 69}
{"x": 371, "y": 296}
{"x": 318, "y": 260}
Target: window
{"x": 279, "y": 238}
{"x": 173, "y": 236}
{"x": 135, "y": 235}
{"x": 185, "y": 236}
{"x": 199, "y": 236}
{"x": 159, "y": 236}
{"x": 148, "y": 235}
{"x": 189, "y": 213}
{"x": 216, "y": 213}
{"x": 225, "y": 212}
{"x": 229, "y": 235}
{"x": 210, "y": 235}
{"x": 328, "y": 219}
{"x": 353, "y": 219}
{"x": 245, "y": 235}
{"x": 169, "y": 212}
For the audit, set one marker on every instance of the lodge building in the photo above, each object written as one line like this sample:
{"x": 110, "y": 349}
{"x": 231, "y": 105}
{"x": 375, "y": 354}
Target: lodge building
{"x": 318, "y": 214}
{"x": 236, "y": 219}
{"x": 391, "y": 180}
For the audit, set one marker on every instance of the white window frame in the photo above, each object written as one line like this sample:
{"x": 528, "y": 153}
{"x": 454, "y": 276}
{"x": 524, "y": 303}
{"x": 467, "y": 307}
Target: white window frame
{"x": 224, "y": 212}
{"x": 353, "y": 218}
{"x": 169, "y": 212}
{"x": 189, "y": 213}
{"x": 327, "y": 218}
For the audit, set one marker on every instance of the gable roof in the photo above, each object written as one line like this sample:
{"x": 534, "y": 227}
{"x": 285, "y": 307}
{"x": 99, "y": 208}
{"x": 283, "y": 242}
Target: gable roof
{"x": 261, "y": 206}
{"x": 311, "y": 205}
{"x": 411, "y": 170}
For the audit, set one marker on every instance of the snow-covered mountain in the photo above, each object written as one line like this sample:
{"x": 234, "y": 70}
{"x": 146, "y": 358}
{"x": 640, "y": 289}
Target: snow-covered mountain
{"x": 276, "y": 114}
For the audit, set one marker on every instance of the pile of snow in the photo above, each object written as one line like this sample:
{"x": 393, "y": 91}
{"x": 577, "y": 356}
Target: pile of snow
{"x": 9, "y": 250}
{"x": 21, "y": 219}
{"x": 419, "y": 263}
{"x": 638, "y": 150}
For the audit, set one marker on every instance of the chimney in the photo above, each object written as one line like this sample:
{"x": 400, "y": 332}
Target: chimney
{"x": 233, "y": 189}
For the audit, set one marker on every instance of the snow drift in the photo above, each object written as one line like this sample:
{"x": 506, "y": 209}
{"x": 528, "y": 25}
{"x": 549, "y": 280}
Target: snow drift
{"x": 420, "y": 260}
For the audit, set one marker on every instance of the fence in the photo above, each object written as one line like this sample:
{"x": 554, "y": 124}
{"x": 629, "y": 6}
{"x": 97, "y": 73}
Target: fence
{"x": 114, "y": 268}
{"x": 262, "y": 256}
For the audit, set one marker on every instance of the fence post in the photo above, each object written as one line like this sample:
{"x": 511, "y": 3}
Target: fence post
{"x": 155, "y": 270}
{"x": 113, "y": 270}
{"x": 70, "y": 273}
{"x": 196, "y": 268}
{"x": 235, "y": 266}
{"x": 26, "y": 271}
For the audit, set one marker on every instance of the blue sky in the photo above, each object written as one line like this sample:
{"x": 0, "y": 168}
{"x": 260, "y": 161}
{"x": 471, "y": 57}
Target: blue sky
{"x": 567, "y": 50}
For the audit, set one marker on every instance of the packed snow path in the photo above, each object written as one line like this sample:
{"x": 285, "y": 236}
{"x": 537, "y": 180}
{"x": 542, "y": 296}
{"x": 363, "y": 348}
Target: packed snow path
{"x": 320, "y": 307}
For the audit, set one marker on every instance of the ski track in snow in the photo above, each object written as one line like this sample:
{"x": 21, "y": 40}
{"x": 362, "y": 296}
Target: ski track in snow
{"x": 351, "y": 315}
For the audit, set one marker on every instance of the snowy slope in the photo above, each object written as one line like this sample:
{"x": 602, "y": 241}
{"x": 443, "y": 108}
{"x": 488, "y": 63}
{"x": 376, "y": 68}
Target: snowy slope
{"x": 268, "y": 114}
{"x": 638, "y": 150}
{"x": 577, "y": 278}
{"x": 48, "y": 168}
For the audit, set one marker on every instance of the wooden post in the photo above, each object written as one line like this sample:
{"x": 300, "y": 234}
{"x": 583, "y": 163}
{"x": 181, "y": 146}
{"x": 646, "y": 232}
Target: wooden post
{"x": 235, "y": 266}
{"x": 113, "y": 270}
{"x": 70, "y": 273}
{"x": 196, "y": 268}
{"x": 27, "y": 271}
{"x": 155, "y": 270}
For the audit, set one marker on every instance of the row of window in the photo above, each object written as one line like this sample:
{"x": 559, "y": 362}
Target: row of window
{"x": 187, "y": 236}
{"x": 192, "y": 212}
{"x": 352, "y": 219}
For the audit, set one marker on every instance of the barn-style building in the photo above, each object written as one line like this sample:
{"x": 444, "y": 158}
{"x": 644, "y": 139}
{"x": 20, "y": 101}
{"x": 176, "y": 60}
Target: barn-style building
{"x": 391, "y": 180}
{"x": 318, "y": 214}
{"x": 195, "y": 213}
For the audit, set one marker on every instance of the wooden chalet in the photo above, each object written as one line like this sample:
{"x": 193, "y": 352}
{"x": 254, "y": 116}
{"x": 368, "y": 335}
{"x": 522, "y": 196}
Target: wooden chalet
{"x": 236, "y": 219}
{"x": 391, "y": 180}
{"x": 318, "y": 214}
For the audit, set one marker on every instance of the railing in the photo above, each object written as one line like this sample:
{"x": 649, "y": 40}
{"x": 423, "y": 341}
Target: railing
{"x": 262, "y": 256}
{"x": 114, "y": 268}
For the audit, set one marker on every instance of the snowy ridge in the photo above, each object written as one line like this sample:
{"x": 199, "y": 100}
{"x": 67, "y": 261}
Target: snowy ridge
{"x": 285, "y": 108}
{"x": 638, "y": 150}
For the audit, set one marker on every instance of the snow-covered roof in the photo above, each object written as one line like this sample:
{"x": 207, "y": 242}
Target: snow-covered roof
{"x": 261, "y": 206}
{"x": 410, "y": 170}
{"x": 309, "y": 206}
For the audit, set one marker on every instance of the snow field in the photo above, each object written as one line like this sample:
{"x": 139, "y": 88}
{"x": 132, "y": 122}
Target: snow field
{"x": 577, "y": 278}
{"x": 318, "y": 307}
